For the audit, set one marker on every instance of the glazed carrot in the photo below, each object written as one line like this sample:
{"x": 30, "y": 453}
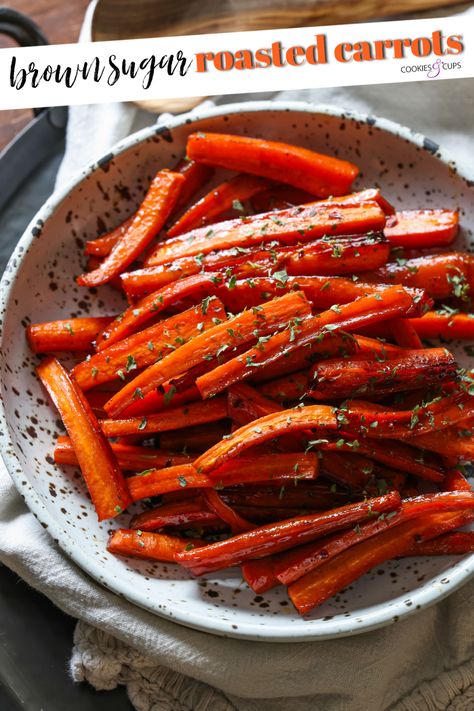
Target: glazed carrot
{"x": 194, "y": 439}
{"x": 97, "y": 461}
{"x": 146, "y": 347}
{"x": 129, "y": 457}
{"x": 287, "y": 389}
{"x": 439, "y": 414}
{"x": 441, "y": 275}
{"x": 247, "y": 326}
{"x": 150, "y": 546}
{"x": 193, "y": 414}
{"x": 334, "y": 257}
{"x": 176, "y": 513}
{"x": 456, "y": 481}
{"x": 456, "y": 543}
{"x": 130, "y": 321}
{"x": 444, "y": 324}
{"x": 350, "y": 470}
{"x": 258, "y": 574}
{"x": 73, "y": 334}
{"x": 294, "y": 226}
{"x": 404, "y": 333}
{"x": 265, "y": 428}
{"x": 226, "y": 513}
{"x": 456, "y": 441}
{"x": 220, "y": 199}
{"x": 268, "y": 467}
{"x": 294, "y": 564}
{"x": 102, "y": 246}
{"x": 392, "y": 302}
{"x": 280, "y": 197}
{"x": 195, "y": 176}
{"x": 422, "y": 228}
{"x": 398, "y": 455}
{"x": 152, "y": 214}
{"x": 319, "y": 174}
{"x": 158, "y": 400}
{"x": 285, "y": 496}
{"x": 339, "y": 572}
{"x": 339, "y": 378}
{"x": 277, "y": 537}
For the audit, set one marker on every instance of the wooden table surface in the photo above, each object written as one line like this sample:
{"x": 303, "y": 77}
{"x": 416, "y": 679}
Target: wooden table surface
{"x": 60, "y": 21}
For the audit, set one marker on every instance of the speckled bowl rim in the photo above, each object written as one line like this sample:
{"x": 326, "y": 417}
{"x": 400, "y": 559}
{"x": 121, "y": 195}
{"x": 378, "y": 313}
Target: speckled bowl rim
{"x": 370, "y": 618}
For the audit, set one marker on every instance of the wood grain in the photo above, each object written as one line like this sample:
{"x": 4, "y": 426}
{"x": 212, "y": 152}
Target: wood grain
{"x": 60, "y": 21}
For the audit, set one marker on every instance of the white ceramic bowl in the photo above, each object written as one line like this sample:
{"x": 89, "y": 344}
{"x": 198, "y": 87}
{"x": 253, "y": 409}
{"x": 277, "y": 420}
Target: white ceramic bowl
{"x": 39, "y": 285}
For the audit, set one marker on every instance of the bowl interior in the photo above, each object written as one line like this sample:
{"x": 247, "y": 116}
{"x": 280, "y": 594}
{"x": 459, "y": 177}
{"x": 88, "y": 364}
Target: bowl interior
{"x": 39, "y": 285}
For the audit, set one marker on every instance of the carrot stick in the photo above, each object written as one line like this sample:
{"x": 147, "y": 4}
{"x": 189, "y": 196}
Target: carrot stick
{"x": 195, "y": 176}
{"x": 280, "y": 536}
{"x": 146, "y": 347}
{"x": 102, "y": 246}
{"x": 444, "y": 324}
{"x": 176, "y": 513}
{"x": 158, "y": 400}
{"x": 404, "y": 333}
{"x": 130, "y": 321}
{"x": 351, "y": 470}
{"x": 441, "y": 275}
{"x": 220, "y": 199}
{"x": 398, "y": 455}
{"x": 319, "y": 585}
{"x": 97, "y": 461}
{"x": 456, "y": 441}
{"x": 422, "y": 228}
{"x": 393, "y": 301}
{"x": 258, "y": 574}
{"x": 279, "y": 197}
{"x": 150, "y": 546}
{"x": 194, "y": 439}
{"x": 234, "y": 332}
{"x": 73, "y": 334}
{"x": 294, "y": 564}
{"x": 265, "y": 428}
{"x": 319, "y": 174}
{"x": 339, "y": 378}
{"x": 259, "y": 468}
{"x": 287, "y": 389}
{"x": 193, "y": 414}
{"x": 152, "y": 214}
{"x": 226, "y": 513}
{"x": 129, "y": 457}
{"x": 456, "y": 481}
{"x": 456, "y": 543}
{"x": 294, "y": 226}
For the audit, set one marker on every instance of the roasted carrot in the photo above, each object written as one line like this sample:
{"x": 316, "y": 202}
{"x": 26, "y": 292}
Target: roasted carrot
{"x": 176, "y": 513}
{"x": 446, "y": 324}
{"x": 193, "y": 414}
{"x": 151, "y": 546}
{"x": 102, "y": 246}
{"x": 195, "y": 439}
{"x": 422, "y": 228}
{"x": 456, "y": 441}
{"x": 279, "y": 197}
{"x": 258, "y": 574}
{"x": 292, "y": 226}
{"x": 294, "y": 564}
{"x": 226, "y": 513}
{"x": 97, "y": 461}
{"x": 319, "y": 174}
{"x": 455, "y": 543}
{"x": 160, "y": 399}
{"x": 130, "y": 321}
{"x": 320, "y": 584}
{"x": 441, "y": 275}
{"x": 404, "y": 333}
{"x": 287, "y": 389}
{"x": 247, "y": 326}
{"x": 146, "y": 347}
{"x": 152, "y": 214}
{"x": 338, "y": 378}
{"x": 73, "y": 334}
{"x": 289, "y": 495}
{"x": 195, "y": 175}
{"x": 129, "y": 457}
{"x": 392, "y": 302}
{"x": 353, "y": 471}
{"x": 223, "y": 197}
{"x": 278, "y": 537}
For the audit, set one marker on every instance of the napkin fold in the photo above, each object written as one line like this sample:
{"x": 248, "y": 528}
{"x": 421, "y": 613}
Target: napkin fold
{"x": 424, "y": 663}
